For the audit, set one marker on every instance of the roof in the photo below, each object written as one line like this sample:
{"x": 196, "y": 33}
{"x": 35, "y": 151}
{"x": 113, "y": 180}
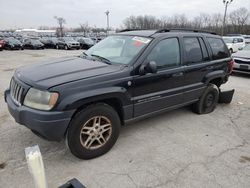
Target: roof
{"x": 155, "y": 33}
{"x": 143, "y": 33}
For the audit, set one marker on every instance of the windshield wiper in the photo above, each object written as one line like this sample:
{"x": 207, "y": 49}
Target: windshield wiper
{"x": 83, "y": 55}
{"x": 103, "y": 59}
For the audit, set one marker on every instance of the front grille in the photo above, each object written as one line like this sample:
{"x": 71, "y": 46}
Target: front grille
{"x": 242, "y": 61}
{"x": 16, "y": 92}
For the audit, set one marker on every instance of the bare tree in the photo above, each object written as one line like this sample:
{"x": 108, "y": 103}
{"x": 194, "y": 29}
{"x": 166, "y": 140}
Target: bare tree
{"x": 141, "y": 22}
{"x": 238, "y": 22}
{"x": 60, "y": 21}
{"x": 239, "y": 18}
{"x": 85, "y": 28}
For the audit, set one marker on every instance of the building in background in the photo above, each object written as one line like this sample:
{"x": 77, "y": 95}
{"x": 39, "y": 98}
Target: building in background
{"x": 35, "y": 32}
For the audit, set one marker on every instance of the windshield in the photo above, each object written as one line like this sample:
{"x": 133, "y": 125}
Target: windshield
{"x": 228, "y": 39}
{"x": 119, "y": 49}
{"x": 54, "y": 39}
{"x": 35, "y": 41}
{"x": 88, "y": 41}
{"x": 247, "y": 47}
{"x": 13, "y": 41}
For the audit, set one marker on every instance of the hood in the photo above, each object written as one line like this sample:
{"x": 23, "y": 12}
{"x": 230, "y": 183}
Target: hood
{"x": 61, "y": 71}
{"x": 242, "y": 54}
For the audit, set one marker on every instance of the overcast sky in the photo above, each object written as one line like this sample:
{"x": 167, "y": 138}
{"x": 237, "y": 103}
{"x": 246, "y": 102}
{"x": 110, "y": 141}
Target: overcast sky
{"x": 35, "y": 13}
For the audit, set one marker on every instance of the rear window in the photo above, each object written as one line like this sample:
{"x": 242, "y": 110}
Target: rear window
{"x": 219, "y": 49}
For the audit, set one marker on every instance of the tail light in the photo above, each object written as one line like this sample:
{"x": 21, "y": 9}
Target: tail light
{"x": 230, "y": 66}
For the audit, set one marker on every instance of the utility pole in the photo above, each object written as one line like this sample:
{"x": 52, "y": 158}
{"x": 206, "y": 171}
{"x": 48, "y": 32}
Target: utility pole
{"x": 226, "y": 3}
{"x": 107, "y": 14}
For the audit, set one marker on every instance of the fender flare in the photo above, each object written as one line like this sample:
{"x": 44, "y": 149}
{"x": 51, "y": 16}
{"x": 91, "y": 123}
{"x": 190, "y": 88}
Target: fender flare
{"x": 213, "y": 75}
{"x": 77, "y": 100}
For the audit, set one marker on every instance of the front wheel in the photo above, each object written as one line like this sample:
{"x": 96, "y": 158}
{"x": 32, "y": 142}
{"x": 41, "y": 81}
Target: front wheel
{"x": 66, "y": 47}
{"x": 93, "y": 131}
{"x": 208, "y": 101}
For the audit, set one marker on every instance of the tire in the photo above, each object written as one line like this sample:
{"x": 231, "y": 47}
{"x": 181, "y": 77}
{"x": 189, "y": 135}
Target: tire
{"x": 57, "y": 47}
{"x": 77, "y": 140}
{"x": 208, "y": 101}
{"x": 66, "y": 47}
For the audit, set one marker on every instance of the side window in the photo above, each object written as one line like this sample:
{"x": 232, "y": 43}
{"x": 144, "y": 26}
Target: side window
{"x": 193, "y": 50}
{"x": 204, "y": 50}
{"x": 240, "y": 40}
{"x": 219, "y": 49}
{"x": 166, "y": 53}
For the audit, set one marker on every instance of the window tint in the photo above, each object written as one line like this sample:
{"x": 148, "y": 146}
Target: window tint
{"x": 193, "y": 50}
{"x": 240, "y": 40}
{"x": 204, "y": 50}
{"x": 166, "y": 53}
{"x": 219, "y": 49}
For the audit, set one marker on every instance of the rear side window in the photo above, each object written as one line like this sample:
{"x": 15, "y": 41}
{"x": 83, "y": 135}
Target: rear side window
{"x": 240, "y": 40}
{"x": 193, "y": 50}
{"x": 219, "y": 49}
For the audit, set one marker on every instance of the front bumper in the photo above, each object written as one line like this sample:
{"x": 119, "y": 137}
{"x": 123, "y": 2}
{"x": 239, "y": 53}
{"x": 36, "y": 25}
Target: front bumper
{"x": 241, "y": 66}
{"x": 51, "y": 125}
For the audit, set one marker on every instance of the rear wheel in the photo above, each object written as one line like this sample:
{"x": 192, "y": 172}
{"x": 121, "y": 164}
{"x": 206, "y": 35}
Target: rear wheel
{"x": 93, "y": 131}
{"x": 208, "y": 101}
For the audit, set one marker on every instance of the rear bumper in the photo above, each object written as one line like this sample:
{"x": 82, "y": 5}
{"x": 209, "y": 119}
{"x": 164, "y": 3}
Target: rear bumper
{"x": 51, "y": 125}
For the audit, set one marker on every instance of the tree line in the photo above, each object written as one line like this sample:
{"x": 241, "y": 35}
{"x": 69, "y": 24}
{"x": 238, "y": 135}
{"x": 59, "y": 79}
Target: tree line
{"x": 237, "y": 22}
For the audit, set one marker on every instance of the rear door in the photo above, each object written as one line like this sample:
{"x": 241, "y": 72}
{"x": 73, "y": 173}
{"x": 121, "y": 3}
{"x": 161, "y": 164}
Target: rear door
{"x": 197, "y": 63}
{"x": 161, "y": 90}
{"x": 210, "y": 56}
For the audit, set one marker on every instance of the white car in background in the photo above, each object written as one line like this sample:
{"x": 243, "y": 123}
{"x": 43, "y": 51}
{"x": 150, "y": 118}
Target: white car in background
{"x": 242, "y": 60}
{"x": 247, "y": 39}
{"x": 234, "y": 43}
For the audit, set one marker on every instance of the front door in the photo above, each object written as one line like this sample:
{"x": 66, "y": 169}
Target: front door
{"x": 157, "y": 91}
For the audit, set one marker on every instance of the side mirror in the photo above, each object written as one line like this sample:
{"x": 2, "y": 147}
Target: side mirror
{"x": 240, "y": 48}
{"x": 149, "y": 67}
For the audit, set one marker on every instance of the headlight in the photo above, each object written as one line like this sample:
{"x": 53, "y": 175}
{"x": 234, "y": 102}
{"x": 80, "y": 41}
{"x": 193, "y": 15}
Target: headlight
{"x": 42, "y": 100}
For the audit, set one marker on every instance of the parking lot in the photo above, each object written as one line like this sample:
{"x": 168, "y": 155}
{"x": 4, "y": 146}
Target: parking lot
{"x": 175, "y": 149}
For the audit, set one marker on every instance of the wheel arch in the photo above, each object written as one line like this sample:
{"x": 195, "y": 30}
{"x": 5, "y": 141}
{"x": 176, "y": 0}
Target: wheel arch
{"x": 115, "y": 97}
{"x": 215, "y": 78}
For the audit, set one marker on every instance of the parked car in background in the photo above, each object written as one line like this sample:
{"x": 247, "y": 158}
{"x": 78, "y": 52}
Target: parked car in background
{"x": 13, "y": 44}
{"x": 2, "y": 43}
{"x": 50, "y": 42}
{"x": 242, "y": 60}
{"x": 234, "y": 43}
{"x": 85, "y": 43}
{"x": 247, "y": 39}
{"x": 32, "y": 44}
{"x": 67, "y": 43}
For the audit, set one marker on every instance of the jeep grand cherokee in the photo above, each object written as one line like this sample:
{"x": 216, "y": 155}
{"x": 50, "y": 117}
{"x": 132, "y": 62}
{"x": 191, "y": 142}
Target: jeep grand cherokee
{"x": 125, "y": 77}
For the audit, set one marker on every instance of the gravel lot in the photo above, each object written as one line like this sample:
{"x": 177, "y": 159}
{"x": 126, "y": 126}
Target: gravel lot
{"x": 175, "y": 149}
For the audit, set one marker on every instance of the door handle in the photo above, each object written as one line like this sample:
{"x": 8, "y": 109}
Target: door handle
{"x": 178, "y": 74}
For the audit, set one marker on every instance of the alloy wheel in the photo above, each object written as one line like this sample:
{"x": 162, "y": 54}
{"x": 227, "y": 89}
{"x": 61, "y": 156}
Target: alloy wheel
{"x": 95, "y": 132}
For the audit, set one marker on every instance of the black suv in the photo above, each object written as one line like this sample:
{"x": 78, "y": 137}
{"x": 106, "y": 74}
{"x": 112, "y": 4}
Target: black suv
{"x": 125, "y": 77}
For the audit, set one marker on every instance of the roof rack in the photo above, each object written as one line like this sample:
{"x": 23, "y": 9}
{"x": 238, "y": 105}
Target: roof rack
{"x": 125, "y": 30}
{"x": 185, "y": 30}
